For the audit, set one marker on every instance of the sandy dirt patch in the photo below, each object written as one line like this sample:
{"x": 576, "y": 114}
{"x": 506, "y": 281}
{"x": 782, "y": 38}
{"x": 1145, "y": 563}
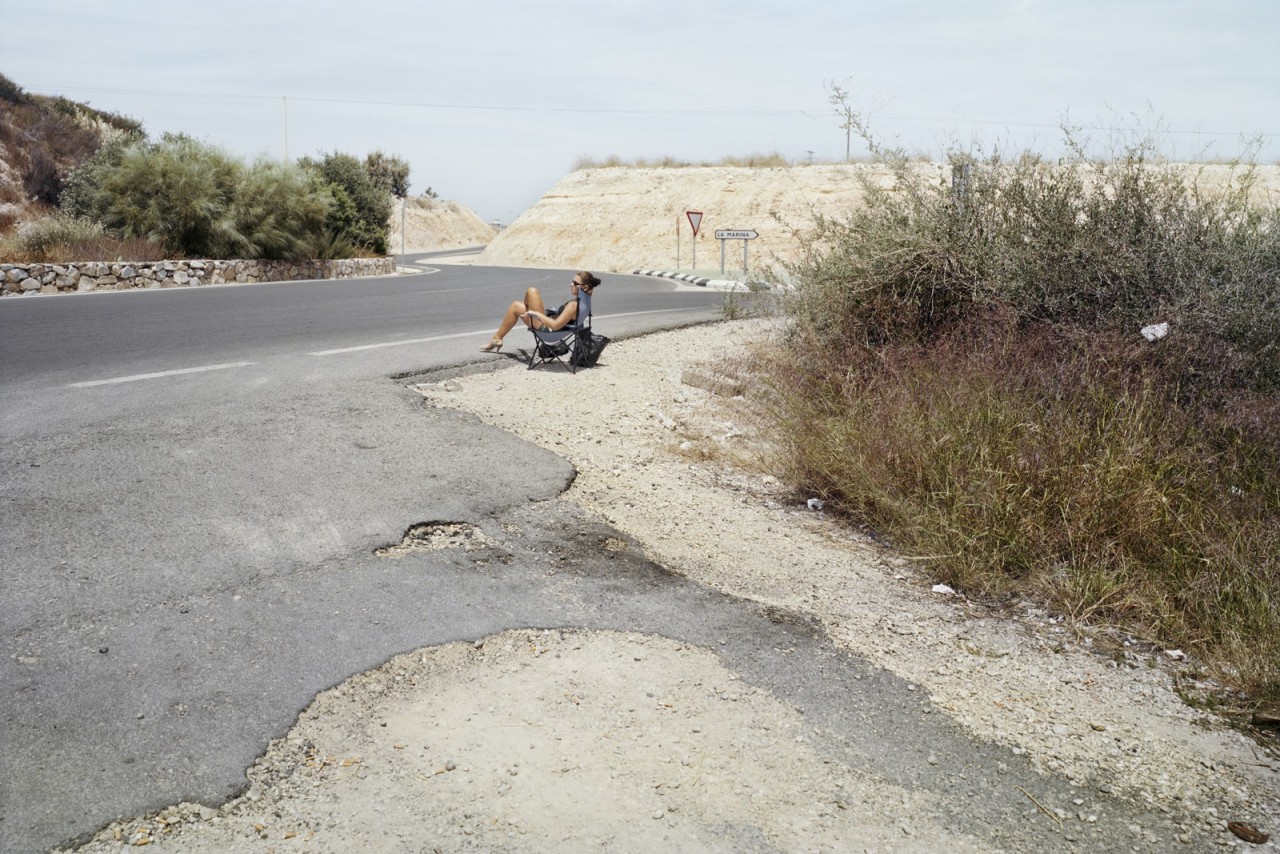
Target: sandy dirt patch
{"x": 548, "y": 740}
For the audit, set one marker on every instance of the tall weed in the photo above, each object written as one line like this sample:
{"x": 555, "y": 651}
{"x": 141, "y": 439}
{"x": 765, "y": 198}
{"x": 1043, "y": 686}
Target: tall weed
{"x": 1030, "y": 464}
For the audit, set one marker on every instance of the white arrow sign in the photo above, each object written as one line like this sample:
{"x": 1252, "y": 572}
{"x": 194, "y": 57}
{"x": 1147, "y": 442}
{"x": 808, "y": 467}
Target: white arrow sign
{"x": 739, "y": 234}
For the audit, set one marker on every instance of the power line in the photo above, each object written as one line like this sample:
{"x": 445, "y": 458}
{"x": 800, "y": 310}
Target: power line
{"x": 1057, "y": 126}
{"x": 434, "y": 106}
{"x": 636, "y": 112}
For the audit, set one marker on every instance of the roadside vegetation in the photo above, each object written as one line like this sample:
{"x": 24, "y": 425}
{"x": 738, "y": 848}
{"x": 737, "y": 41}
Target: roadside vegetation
{"x": 1058, "y": 380}
{"x": 756, "y": 161}
{"x": 93, "y": 187}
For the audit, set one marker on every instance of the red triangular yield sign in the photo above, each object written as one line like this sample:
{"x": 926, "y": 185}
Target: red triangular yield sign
{"x": 695, "y": 220}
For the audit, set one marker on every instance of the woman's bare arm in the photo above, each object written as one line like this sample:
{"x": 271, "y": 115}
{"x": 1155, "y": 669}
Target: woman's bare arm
{"x": 560, "y": 321}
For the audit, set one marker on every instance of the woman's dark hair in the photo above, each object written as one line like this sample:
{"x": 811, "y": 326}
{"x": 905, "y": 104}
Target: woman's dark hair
{"x": 586, "y": 279}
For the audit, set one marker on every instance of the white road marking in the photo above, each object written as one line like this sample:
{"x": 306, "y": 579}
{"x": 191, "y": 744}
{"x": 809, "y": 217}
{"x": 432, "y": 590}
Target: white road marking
{"x": 161, "y": 374}
{"x": 398, "y": 343}
{"x": 649, "y": 311}
{"x": 480, "y": 332}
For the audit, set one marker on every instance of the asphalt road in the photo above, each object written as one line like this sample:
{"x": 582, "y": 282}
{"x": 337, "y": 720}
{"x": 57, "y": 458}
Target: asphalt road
{"x": 195, "y": 482}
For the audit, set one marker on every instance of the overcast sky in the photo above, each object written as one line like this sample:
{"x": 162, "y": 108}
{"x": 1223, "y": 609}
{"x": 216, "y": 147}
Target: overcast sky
{"x": 491, "y": 102}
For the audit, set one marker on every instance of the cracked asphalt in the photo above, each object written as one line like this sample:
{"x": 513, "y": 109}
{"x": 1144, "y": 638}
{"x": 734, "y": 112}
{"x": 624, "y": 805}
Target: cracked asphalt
{"x": 147, "y": 683}
{"x": 188, "y": 560}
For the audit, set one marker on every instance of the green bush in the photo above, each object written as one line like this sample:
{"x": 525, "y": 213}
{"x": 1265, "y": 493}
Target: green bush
{"x": 178, "y": 191}
{"x": 279, "y": 211}
{"x": 201, "y": 202}
{"x": 340, "y": 225}
{"x": 79, "y": 197}
{"x": 371, "y": 200}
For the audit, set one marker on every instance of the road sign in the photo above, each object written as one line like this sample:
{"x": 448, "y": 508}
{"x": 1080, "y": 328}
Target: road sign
{"x": 695, "y": 220}
{"x": 736, "y": 234}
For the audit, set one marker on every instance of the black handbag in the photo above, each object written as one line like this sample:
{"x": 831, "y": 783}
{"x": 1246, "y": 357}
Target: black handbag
{"x": 587, "y": 349}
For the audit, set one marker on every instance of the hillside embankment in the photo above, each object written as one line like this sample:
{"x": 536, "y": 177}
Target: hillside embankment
{"x": 431, "y": 225}
{"x": 618, "y": 219}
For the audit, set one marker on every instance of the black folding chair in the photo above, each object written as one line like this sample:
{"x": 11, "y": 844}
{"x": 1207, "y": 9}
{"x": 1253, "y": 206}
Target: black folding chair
{"x": 557, "y": 345}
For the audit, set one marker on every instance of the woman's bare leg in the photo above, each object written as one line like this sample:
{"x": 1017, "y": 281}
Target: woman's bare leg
{"x": 532, "y": 302}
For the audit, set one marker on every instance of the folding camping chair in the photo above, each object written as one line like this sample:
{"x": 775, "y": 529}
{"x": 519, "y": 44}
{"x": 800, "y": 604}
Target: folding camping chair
{"x": 549, "y": 346}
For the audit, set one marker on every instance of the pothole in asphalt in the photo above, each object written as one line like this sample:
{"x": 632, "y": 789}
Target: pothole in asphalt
{"x": 438, "y": 536}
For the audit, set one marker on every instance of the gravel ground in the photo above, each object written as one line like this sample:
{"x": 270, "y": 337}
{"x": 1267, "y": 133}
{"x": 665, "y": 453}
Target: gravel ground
{"x": 536, "y": 718}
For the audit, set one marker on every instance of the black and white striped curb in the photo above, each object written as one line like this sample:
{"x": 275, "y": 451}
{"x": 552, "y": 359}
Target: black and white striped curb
{"x": 700, "y": 281}
{"x": 684, "y": 277}
{"x": 705, "y": 282}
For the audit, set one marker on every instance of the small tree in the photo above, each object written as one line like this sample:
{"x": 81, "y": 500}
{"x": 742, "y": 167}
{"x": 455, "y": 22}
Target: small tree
{"x": 838, "y": 98}
{"x": 390, "y": 172}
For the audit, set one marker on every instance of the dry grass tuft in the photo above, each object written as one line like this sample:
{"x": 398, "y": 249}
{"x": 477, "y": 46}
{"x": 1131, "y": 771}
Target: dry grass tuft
{"x": 754, "y": 161}
{"x": 65, "y": 239}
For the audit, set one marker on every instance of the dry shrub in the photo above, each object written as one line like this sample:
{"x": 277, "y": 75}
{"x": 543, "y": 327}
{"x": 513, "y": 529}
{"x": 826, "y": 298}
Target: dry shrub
{"x": 966, "y": 378}
{"x": 1022, "y": 461}
{"x": 64, "y": 239}
{"x": 45, "y": 138}
{"x": 1090, "y": 244}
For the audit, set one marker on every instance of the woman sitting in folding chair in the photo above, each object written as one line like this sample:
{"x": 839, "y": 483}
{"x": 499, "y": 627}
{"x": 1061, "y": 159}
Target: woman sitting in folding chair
{"x": 532, "y": 310}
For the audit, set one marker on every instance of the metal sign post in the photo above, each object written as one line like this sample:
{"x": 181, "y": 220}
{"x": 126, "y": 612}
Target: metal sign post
{"x": 695, "y": 220}
{"x": 743, "y": 234}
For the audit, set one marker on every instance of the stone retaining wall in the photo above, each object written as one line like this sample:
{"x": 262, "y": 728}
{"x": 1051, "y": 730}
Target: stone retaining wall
{"x": 121, "y": 276}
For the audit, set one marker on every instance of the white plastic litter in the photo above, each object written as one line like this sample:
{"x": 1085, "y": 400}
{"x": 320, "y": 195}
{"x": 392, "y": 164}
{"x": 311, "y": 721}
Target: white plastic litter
{"x": 1155, "y": 331}
{"x": 943, "y": 589}
{"x": 815, "y": 503}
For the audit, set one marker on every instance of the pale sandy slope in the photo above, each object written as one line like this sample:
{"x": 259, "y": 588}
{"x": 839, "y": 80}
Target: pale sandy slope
{"x": 431, "y": 225}
{"x": 622, "y": 219}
